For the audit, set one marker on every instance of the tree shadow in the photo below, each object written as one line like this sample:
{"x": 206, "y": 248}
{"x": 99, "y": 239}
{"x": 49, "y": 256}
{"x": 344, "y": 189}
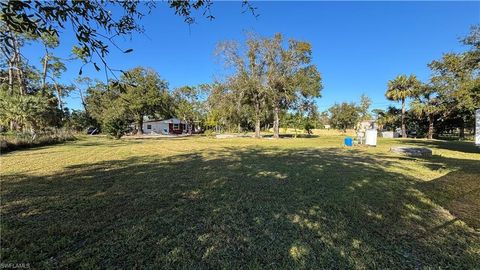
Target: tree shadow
{"x": 157, "y": 138}
{"x": 105, "y": 142}
{"x": 79, "y": 143}
{"x": 251, "y": 208}
{"x": 33, "y": 146}
{"x": 459, "y": 190}
{"x": 460, "y": 146}
{"x": 292, "y": 136}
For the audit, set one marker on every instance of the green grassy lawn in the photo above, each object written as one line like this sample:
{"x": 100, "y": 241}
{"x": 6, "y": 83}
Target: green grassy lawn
{"x": 201, "y": 202}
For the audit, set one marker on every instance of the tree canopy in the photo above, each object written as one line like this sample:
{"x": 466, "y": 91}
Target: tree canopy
{"x": 139, "y": 93}
{"x": 399, "y": 89}
{"x": 269, "y": 81}
{"x": 267, "y": 78}
{"x": 96, "y": 24}
{"x": 344, "y": 115}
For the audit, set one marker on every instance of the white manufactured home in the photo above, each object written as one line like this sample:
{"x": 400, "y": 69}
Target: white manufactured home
{"x": 166, "y": 127}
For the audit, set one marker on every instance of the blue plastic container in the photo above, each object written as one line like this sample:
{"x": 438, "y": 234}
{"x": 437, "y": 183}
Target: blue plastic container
{"x": 348, "y": 141}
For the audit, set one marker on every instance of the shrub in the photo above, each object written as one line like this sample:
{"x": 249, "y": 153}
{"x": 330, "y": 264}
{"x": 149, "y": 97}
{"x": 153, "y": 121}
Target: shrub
{"x": 308, "y": 127}
{"x": 116, "y": 126}
{"x": 209, "y": 133}
{"x": 10, "y": 141}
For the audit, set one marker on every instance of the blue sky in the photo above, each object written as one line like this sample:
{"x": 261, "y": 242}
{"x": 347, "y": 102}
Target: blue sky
{"x": 357, "y": 46}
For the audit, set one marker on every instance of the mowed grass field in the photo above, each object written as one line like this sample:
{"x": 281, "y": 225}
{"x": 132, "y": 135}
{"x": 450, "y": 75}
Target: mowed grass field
{"x": 198, "y": 202}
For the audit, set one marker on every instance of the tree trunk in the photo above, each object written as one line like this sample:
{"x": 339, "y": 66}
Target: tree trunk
{"x": 276, "y": 122}
{"x": 84, "y": 102}
{"x": 59, "y": 97}
{"x": 404, "y": 131}
{"x": 21, "y": 80}
{"x": 44, "y": 75}
{"x": 257, "y": 127}
{"x": 11, "y": 63}
{"x": 13, "y": 125}
{"x": 257, "y": 120}
{"x": 60, "y": 105}
{"x": 10, "y": 77}
{"x": 462, "y": 129}
{"x": 239, "y": 108}
{"x": 430, "y": 127}
{"x": 140, "y": 125}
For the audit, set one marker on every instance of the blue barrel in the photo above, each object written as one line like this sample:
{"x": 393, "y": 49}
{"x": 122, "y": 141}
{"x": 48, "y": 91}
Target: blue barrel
{"x": 348, "y": 141}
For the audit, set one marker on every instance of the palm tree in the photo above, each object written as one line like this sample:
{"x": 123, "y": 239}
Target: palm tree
{"x": 22, "y": 111}
{"x": 399, "y": 89}
{"x": 426, "y": 104}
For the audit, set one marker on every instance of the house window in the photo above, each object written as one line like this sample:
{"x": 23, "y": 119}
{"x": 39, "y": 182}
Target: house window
{"x": 176, "y": 126}
{"x": 149, "y": 126}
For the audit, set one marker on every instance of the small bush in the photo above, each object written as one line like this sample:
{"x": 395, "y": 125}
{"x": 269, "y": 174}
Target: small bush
{"x": 116, "y": 127}
{"x": 209, "y": 133}
{"x": 309, "y": 127}
{"x": 10, "y": 141}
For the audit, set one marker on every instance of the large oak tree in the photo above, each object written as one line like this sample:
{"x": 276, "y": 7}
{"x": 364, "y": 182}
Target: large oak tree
{"x": 290, "y": 74}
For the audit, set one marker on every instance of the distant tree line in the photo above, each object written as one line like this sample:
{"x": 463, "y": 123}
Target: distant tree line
{"x": 448, "y": 101}
{"x": 32, "y": 96}
{"x": 140, "y": 93}
{"x": 443, "y": 105}
{"x": 269, "y": 82}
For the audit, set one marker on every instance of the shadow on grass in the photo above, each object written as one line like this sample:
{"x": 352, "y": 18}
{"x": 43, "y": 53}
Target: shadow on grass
{"x": 157, "y": 138}
{"x": 268, "y": 208}
{"x": 102, "y": 141}
{"x": 461, "y": 146}
{"x": 78, "y": 143}
{"x": 457, "y": 191}
{"x": 288, "y": 136}
{"x": 11, "y": 147}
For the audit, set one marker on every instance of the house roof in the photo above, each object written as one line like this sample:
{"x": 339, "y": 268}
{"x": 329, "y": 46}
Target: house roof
{"x": 170, "y": 120}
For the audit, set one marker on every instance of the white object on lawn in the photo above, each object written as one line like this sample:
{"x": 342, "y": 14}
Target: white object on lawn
{"x": 389, "y": 134}
{"x": 371, "y": 137}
